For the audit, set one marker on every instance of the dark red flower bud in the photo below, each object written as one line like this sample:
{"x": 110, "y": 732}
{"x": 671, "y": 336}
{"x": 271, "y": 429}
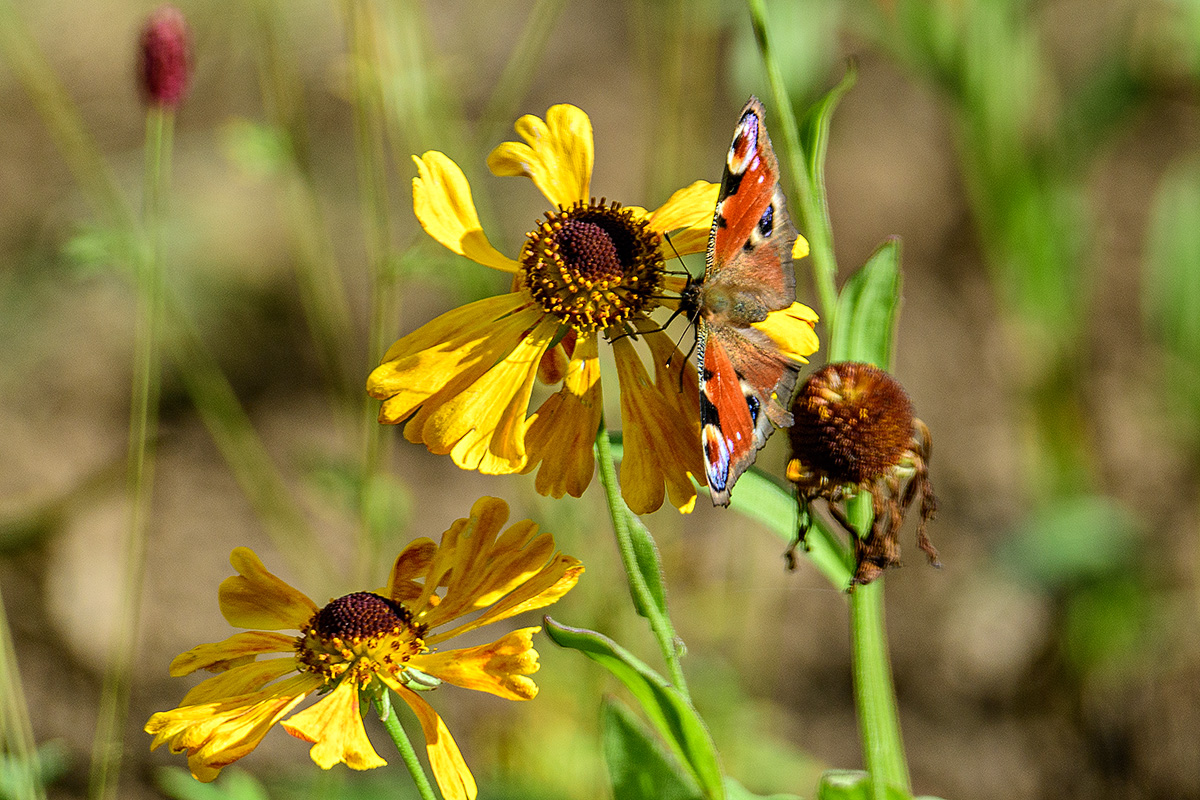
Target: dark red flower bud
{"x": 855, "y": 432}
{"x": 165, "y": 60}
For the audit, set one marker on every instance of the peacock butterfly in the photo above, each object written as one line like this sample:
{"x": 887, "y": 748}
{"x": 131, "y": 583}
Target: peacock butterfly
{"x": 746, "y": 382}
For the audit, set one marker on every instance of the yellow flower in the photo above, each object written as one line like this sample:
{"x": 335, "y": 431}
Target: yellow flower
{"x": 360, "y": 645}
{"x": 464, "y": 381}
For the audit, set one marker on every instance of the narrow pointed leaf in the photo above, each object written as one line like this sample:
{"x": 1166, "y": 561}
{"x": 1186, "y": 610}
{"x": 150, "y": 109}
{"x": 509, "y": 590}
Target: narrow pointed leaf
{"x": 638, "y": 767}
{"x": 868, "y": 306}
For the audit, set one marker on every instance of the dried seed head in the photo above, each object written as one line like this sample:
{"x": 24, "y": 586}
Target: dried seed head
{"x": 164, "y": 60}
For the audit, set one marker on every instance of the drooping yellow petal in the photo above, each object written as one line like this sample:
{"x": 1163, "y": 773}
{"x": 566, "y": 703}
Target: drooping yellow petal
{"x": 800, "y": 248}
{"x": 557, "y": 156}
{"x": 656, "y": 450}
{"x": 450, "y": 771}
{"x": 240, "y": 680}
{"x": 792, "y": 329}
{"x": 216, "y": 734}
{"x": 551, "y": 583}
{"x": 562, "y": 430}
{"x": 257, "y": 599}
{"x": 499, "y": 668}
{"x": 472, "y": 547}
{"x": 334, "y": 725}
{"x": 216, "y": 656}
{"x": 483, "y": 425}
{"x": 443, "y": 205}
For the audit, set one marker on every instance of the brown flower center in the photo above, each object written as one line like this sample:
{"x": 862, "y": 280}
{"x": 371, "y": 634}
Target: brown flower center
{"x": 361, "y": 631}
{"x": 853, "y": 423}
{"x": 592, "y": 265}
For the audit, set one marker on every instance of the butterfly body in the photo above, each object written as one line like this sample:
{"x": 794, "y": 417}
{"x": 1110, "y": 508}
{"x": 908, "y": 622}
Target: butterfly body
{"x": 746, "y": 383}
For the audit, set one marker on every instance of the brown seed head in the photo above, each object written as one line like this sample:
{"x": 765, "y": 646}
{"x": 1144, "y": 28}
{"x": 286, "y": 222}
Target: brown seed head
{"x": 164, "y": 58}
{"x": 853, "y": 423}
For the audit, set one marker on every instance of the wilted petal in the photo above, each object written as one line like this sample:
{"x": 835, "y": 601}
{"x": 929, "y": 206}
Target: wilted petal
{"x": 499, "y": 668}
{"x": 257, "y": 599}
{"x": 335, "y": 727}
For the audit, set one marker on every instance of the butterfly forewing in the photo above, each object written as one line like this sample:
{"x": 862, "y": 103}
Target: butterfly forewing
{"x": 745, "y": 382}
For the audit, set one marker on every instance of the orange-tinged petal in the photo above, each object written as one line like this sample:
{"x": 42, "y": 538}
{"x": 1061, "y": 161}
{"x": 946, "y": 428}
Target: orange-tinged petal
{"x": 562, "y": 431}
{"x": 255, "y": 598}
{"x": 690, "y": 207}
{"x": 657, "y": 449}
{"x": 551, "y": 583}
{"x": 334, "y": 725}
{"x": 443, "y": 205}
{"x": 412, "y": 563}
{"x": 216, "y": 656}
{"x": 450, "y": 771}
{"x": 483, "y": 426}
{"x": 217, "y": 734}
{"x": 472, "y": 546}
{"x": 499, "y": 668}
{"x": 238, "y": 681}
{"x": 792, "y": 330}
{"x": 557, "y": 156}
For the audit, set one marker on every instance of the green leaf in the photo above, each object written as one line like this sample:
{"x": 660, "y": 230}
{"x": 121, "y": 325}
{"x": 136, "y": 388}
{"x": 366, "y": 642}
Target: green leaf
{"x": 867, "y": 308}
{"x": 852, "y": 784}
{"x": 761, "y": 498}
{"x": 815, "y": 136}
{"x": 670, "y": 713}
{"x": 638, "y": 767}
{"x": 234, "y": 784}
{"x": 649, "y": 564}
{"x": 735, "y": 791}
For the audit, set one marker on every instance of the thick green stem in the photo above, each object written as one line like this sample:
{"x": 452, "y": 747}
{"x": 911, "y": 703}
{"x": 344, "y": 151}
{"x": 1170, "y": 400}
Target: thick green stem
{"x": 143, "y": 425}
{"x": 660, "y": 623}
{"x": 874, "y": 693}
{"x": 407, "y": 754}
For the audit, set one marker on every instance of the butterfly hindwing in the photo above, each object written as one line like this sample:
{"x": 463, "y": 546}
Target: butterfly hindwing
{"x": 745, "y": 382}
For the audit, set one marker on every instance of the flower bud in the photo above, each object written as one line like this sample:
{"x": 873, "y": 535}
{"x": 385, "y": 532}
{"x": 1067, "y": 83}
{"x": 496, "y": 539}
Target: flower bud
{"x": 854, "y": 432}
{"x": 164, "y": 60}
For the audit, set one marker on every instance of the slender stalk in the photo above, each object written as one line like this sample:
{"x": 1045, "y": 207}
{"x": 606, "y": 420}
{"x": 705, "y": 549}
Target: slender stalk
{"x": 373, "y": 196}
{"x": 143, "y": 426}
{"x": 407, "y": 754}
{"x": 814, "y": 217}
{"x": 874, "y": 693}
{"x": 660, "y": 623}
{"x": 15, "y": 731}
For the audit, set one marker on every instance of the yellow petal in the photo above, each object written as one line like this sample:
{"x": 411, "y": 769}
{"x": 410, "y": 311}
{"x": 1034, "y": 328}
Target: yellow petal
{"x": 690, "y": 207}
{"x": 557, "y": 155}
{"x": 412, "y": 563}
{"x": 791, "y": 329}
{"x": 257, "y": 599}
{"x": 483, "y": 425}
{"x": 498, "y": 668}
{"x": 660, "y": 455}
{"x": 551, "y": 583}
{"x": 335, "y": 727}
{"x": 800, "y": 248}
{"x": 216, "y": 734}
{"x": 443, "y": 205}
{"x": 450, "y": 771}
{"x": 238, "y": 681}
{"x": 562, "y": 431}
{"x": 216, "y": 656}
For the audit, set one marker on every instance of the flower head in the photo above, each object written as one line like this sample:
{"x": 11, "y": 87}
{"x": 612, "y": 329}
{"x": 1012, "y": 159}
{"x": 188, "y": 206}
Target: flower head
{"x": 360, "y": 645}
{"x": 854, "y": 431}
{"x": 163, "y": 66}
{"x": 590, "y": 268}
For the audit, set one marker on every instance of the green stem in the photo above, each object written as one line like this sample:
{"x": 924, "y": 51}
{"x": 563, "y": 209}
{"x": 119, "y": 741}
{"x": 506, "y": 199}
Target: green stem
{"x": 15, "y": 729}
{"x": 874, "y": 693}
{"x": 814, "y": 216}
{"x": 373, "y": 195}
{"x": 660, "y": 622}
{"x": 407, "y": 754}
{"x": 143, "y": 425}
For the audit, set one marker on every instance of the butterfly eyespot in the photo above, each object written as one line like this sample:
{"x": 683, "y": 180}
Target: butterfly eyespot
{"x": 767, "y": 223}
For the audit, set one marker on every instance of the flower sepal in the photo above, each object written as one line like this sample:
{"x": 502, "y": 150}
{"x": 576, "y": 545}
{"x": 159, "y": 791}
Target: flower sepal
{"x": 418, "y": 681}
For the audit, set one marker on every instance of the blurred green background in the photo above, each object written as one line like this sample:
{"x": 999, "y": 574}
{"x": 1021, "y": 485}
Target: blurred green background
{"x": 1039, "y": 161}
